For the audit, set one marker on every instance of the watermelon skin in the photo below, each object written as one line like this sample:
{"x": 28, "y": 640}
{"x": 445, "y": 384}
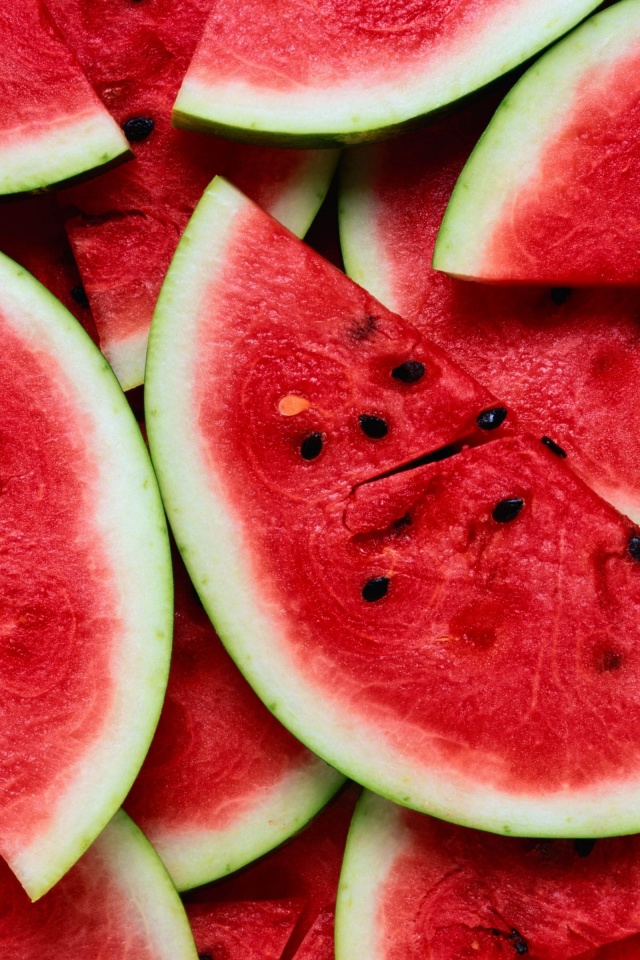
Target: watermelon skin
{"x": 563, "y": 359}
{"x": 53, "y": 127}
{"x": 360, "y": 71}
{"x": 412, "y": 887}
{"x": 125, "y": 227}
{"x": 86, "y": 636}
{"x": 257, "y": 930}
{"x": 223, "y": 782}
{"x": 117, "y": 901}
{"x": 550, "y": 193}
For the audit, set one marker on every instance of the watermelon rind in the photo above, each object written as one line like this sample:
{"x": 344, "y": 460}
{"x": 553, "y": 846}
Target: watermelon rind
{"x": 130, "y": 520}
{"x": 355, "y": 110}
{"x": 530, "y": 117}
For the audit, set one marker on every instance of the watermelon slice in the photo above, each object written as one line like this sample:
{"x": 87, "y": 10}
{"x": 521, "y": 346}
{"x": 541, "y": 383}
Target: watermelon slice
{"x": 53, "y": 128}
{"x": 223, "y": 781}
{"x": 254, "y": 930}
{"x": 335, "y": 71}
{"x": 565, "y": 359}
{"x": 413, "y": 887}
{"x": 125, "y": 226}
{"x": 86, "y": 614}
{"x": 551, "y": 193}
{"x": 116, "y": 902}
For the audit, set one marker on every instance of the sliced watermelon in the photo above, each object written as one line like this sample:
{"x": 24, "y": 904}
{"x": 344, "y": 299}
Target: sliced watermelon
{"x": 412, "y": 887}
{"x": 86, "y": 614}
{"x": 125, "y": 226}
{"x": 253, "y": 930}
{"x": 335, "y": 71}
{"x": 318, "y": 943}
{"x": 223, "y": 781}
{"x": 53, "y": 128}
{"x": 565, "y": 359}
{"x": 116, "y": 902}
{"x": 551, "y": 194}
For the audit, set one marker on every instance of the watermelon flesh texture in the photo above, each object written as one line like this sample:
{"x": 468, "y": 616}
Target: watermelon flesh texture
{"x": 223, "y": 781}
{"x": 564, "y": 359}
{"x": 116, "y": 902}
{"x": 254, "y": 930}
{"x": 318, "y": 943}
{"x": 53, "y": 126}
{"x": 551, "y": 194}
{"x": 125, "y": 227}
{"x": 342, "y": 72}
{"x": 412, "y": 886}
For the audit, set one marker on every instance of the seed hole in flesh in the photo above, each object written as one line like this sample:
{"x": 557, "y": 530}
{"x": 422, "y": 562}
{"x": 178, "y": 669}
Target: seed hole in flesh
{"x": 583, "y": 847}
{"x": 138, "y": 128}
{"x": 610, "y": 661}
{"x": 409, "y": 372}
{"x": 554, "y": 447}
{"x": 374, "y": 427}
{"x": 375, "y": 589}
{"x": 492, "y": 419}
{"x": 402, "y": 522}
{"x": 79, "y": 294}
{"x": 292, "y": 405}
{"x": 634, "y": 547}
{"x": 560, "y": 295}
{"x": 507, "y": 510}
{"x": 311, "y": 446}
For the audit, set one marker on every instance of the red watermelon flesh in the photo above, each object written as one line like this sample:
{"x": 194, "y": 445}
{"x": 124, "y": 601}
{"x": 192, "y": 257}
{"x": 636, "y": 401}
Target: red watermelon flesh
{"x": 223, "y": 781}
{"x": 252, "y": 930}
{"x": 628, "y": 949}
{"x": 566, "y": 360}
{"x": 318, "y": 943}
{"x": 125, "y": 227}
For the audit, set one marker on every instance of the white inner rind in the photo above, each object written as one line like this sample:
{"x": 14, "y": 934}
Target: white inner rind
{"x": 216, "y": 548}
{"x": 48, "y": 155}
{"x": 130, "y": 523}
{"x": 508, "y": 156}
{"x": 353, "y": 108}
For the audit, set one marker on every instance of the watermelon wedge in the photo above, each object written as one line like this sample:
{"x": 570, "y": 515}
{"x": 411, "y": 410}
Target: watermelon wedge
{"x": 223, "y": 781}
{"x": 124, "y": 228}
{"x": 412, "y": 886}
{"x": 335, "y": 71}
{"x": 254, "y": 930}
{"x": 116, "y": 902}
{"x": 53, "y": 127}
{"x": 86, "y": 614}
{"x": 565, "y": 359}
{"x": 551, "y": 195}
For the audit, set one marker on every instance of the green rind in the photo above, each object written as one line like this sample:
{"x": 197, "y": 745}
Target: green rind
{"x": 380, "y": 112}
{"x": 144, "y": 534}
{"x": 507, "y": 152}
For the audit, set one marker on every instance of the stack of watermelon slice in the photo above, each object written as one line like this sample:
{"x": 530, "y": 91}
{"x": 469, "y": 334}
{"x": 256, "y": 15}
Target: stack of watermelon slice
{"x": 404, "y": 541}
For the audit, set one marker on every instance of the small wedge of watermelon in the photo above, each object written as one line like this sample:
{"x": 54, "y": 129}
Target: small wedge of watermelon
{"x": 223, "y": 781}
{"x": 53, "y": 127}
{"x": 552, "y": 192}
{"x": 86, "y": 583}
{"x": 116, "y": 902}
{"x": 335, "y": 71}
{"x": 253, "y": 930}
{"x": 125, "y": 226}
{"x": 565, "y": 360}
{"x": 413, "y": 887}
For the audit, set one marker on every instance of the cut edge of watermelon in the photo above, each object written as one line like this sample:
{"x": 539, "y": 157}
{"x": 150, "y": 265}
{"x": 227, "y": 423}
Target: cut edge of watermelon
{"x": 193, "y": 857}
{"x": 81, "y": 146}
{"x": 347, "y": 113}
{"x": 137, "y": 541}
{"x": 220, "y": 579}
{"x": 508, "y": 153}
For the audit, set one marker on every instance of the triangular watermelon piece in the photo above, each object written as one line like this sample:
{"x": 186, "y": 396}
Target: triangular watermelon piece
{"x": 250, "y": 930}
{"x": 550, "y": 195}
{"x": 124, "y": 228}
{"x": 336, "y": 71}
{"x": 53, "y": 127}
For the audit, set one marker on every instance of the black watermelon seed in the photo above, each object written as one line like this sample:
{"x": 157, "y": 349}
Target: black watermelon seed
{"x": 554, "y": 447}
{"x": 79, "y": 294}
{"x": 560, "y": 295}
{"x": 409, "y": 372}
{"x": 583, "y": 847}
{"x": 520, "y": 945}
{"x": 375, "y": 589}
{"x": 205, "y": 956}
{"x": 311, "y": 446}
{"x": 492, "y": 419}
{"x": 402, "y": 522}
{"x": 374, "y": 427}
{"x": 507, "y": 510}
{"x": 138, "y": 128}
{"x": 634, "y": 546}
